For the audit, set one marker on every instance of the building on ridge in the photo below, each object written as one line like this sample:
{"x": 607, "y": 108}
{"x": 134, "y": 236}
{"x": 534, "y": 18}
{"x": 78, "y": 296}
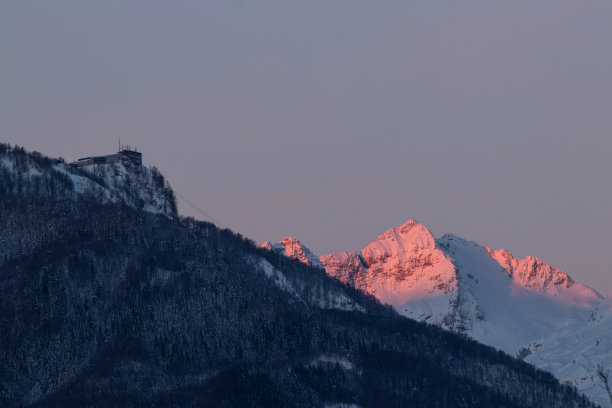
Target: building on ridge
{"x": 124, "y": 155}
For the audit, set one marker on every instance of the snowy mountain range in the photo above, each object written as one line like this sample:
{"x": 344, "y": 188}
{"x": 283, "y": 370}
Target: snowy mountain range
{"x": 108, "y": 297}
{"x": 524, "y": 307}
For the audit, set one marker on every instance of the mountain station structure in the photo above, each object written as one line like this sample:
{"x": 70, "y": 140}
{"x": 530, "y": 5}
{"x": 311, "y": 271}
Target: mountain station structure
{"x": 123, "y": 156}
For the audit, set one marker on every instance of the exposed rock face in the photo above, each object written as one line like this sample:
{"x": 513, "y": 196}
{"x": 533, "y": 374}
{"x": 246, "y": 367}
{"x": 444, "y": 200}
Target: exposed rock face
{"x": 294, "y": 249}
{"x": 532, "y": 272}
{"x": 401, "y": 265}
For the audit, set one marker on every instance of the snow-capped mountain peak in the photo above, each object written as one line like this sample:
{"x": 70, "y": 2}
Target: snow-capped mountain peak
{"x": 411, "y": 233}
{"x": 532, "y": 272}
{"x": 294, "y": 249}
{"x": 408, "y": 238}
{"x": 399, "y": 266}
{"x": 536, "y": 275}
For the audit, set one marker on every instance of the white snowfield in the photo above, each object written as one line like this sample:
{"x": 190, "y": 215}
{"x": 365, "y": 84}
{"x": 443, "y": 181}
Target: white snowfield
{"x": 512, "y": 304}
{"x": 574, "y": 353}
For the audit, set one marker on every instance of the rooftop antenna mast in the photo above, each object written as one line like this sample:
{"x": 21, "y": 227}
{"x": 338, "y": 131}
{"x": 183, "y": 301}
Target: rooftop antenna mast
{"x": 119, "y": 145}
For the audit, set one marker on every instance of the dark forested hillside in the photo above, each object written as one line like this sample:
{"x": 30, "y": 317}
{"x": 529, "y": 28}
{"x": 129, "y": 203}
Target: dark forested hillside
{"x": 106, "y": 303}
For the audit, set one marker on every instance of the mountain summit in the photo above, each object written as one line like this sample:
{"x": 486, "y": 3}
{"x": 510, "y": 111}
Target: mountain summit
{"x": 403, "y": 264}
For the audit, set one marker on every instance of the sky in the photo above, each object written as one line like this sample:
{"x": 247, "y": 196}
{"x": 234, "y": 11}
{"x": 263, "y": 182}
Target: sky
{"x": 332, "y": 121}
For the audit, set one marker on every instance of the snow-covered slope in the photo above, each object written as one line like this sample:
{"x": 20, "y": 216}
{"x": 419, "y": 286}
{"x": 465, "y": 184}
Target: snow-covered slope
{"x": 135, "y": 185}
{"x": 508, "y": 308}
{"x": 574, "y": 353}
{"x": 336, "y": 298}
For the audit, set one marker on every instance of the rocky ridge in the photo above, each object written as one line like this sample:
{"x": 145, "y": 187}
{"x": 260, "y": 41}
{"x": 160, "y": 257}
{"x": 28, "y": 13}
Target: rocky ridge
{"x": 294, "y": 249}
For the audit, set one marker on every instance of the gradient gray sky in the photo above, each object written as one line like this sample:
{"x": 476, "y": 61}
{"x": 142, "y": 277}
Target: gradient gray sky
{"x": 334, "y": 120}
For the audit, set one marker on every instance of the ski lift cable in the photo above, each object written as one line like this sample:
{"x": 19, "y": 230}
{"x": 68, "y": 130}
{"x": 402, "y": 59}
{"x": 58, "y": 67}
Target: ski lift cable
{"x": 201, "y": 211}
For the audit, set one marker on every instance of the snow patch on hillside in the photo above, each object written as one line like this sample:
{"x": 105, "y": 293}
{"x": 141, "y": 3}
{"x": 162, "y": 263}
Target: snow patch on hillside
{"x": 334, "y": 299}
{"x": 339, "y": 301}
{"x": 276, "y": 276}
{"x": 329, "y": 359}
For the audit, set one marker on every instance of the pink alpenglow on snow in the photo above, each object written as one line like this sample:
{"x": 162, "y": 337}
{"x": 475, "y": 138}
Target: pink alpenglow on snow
{"x": 459, "y": 285}
{"x": 400, "y": 265}
{"x": 536, "y": 275}
{"x": 294, "y": 249}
